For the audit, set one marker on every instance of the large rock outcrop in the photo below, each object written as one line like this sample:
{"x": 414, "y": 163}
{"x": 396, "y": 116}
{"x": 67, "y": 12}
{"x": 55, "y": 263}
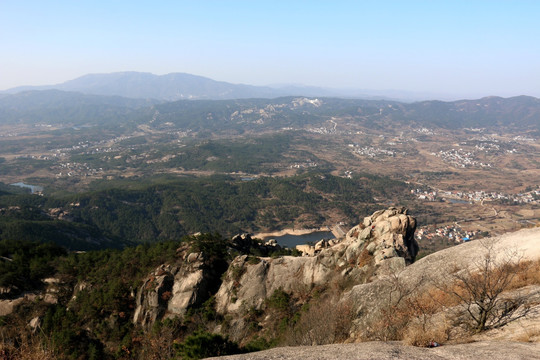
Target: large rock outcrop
{"x": 383, "y": 242}
{"x": 172, "y": 288}
{"x": 370, "y": 298}
{"x": 390, "y": 234}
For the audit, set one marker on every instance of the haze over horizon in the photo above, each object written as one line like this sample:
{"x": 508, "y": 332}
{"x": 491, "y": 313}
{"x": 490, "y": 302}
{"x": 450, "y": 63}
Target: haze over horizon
{"x": 460, "y": 48}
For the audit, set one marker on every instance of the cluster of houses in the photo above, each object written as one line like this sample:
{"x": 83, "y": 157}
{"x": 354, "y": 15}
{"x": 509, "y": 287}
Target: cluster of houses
{"x": 425, "y": 195}
{"x": 460, "y": 158}
{"x": 70, "y": 169}
{"x": 488, "y": 147}
{"x": 35, "y": 157}
{"x": 9, "y": 134}
{"x": 87, "y": 144}
{"x": 530, "y": 197}
{"x": 453, "y": 233}
{"x": 425, "y": 131}
{"x": 322, "y": 130}
{"x": 303, "y": 165}
{"x": 520, "y": 138}
{"x": 372, "y": 152}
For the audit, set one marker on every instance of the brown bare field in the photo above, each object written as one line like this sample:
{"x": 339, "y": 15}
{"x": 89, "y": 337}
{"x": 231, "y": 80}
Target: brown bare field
{"x": 423, "y": 159}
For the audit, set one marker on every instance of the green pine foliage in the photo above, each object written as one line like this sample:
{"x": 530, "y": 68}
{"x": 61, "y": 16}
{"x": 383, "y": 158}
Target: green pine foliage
{"x": 24, "y": 264}
{"x": 92, "y": 321}
{"x": 201, "y": 345}
{"x": 95, "y": 290}
{"x": 228, "y": 205}
{"x": 169, "y": 208}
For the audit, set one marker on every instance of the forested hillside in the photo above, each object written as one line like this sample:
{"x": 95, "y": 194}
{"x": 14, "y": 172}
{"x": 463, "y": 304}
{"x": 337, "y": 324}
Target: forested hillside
{"x": 61, "y": 107}
{"x": 109, "y": 277}
{"x": 238, "y": 116}
{"x": 94, "y": 297}
{"x": 128, "y": 211}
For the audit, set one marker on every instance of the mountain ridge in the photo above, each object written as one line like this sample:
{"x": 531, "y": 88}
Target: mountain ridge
{"x": 519, "y": 112}
{"x": 168, "y": 87}
{"x": 179, "y": 85}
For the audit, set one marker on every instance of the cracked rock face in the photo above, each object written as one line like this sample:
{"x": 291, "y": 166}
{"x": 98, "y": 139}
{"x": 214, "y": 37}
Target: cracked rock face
{"x": 390, "y": 233}
{"x": 171, "y": 289}
{"x": 383, "y": 241}
{"x": 385, "y": 235}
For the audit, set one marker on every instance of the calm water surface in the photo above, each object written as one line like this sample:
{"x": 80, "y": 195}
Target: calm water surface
{"x": 291, "y": 241}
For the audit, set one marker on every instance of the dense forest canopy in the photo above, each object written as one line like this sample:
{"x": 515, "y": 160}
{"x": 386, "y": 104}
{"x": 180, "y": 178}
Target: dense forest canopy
{"x": 168, "y": 209}
{"x": 54, "y": 107}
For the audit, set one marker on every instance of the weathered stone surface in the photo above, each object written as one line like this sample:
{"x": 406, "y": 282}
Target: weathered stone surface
{"x": 150, "y": 301}
{"x": 369, "y": 298}
{"x": 391, "y": 266}
{"x": 489, "y": 350}
{"x": 383, "y": 241}
{"x": 387, "y": 243}
{"x": 306, "y": 250}
{"x": 7, "y": 306}
{"x": 35, "y": 323}
{"x": 390, "y": 233}
{"x": 188, "y": 288}
{"x": 248, "y": 285}
{"x": 171, "y": 289}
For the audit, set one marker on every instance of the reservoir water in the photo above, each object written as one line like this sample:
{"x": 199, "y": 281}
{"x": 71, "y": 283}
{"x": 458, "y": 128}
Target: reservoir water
{"x": 33, "y": 188}
{"x": 291, "y": 241}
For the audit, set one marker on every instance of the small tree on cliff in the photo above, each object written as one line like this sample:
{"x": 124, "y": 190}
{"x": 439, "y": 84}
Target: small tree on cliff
{"x": 480, "y": 288}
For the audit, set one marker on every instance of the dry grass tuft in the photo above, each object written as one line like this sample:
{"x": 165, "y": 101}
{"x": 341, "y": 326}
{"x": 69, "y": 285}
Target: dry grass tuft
{"x": 436, "y": 329}
{"x": 365, "y": 258}
{"x": 527, "y": 273}
{"x": 28, "y": 350}
{"x": 531, "y": 335}
{"x": 325, "y": 321}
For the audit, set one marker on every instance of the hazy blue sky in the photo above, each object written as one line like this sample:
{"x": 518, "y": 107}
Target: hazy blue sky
{"x": 459, "y": 47}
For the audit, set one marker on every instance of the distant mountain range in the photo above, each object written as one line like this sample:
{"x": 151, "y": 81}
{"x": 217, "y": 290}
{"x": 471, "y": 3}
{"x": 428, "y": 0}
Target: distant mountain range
{"x": 75, "y": 108}
{"x": 170, "y": 87}
{"x": 180, "y": 86}
{"x": 55, "y": 107}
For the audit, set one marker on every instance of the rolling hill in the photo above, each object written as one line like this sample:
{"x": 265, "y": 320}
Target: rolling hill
{"x": 58, "y": 106}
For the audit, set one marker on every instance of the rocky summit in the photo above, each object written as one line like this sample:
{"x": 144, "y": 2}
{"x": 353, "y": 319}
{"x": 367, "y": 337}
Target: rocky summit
{"x": 243, "y": 294}
{"x": 364, "y": 286}
{"x": 386, "y": 234}
{"x": 381, "y": 243}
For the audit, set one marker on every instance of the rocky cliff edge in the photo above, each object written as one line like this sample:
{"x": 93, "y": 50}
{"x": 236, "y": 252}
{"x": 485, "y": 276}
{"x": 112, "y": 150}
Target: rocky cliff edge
{"x": 381, "y": 243}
